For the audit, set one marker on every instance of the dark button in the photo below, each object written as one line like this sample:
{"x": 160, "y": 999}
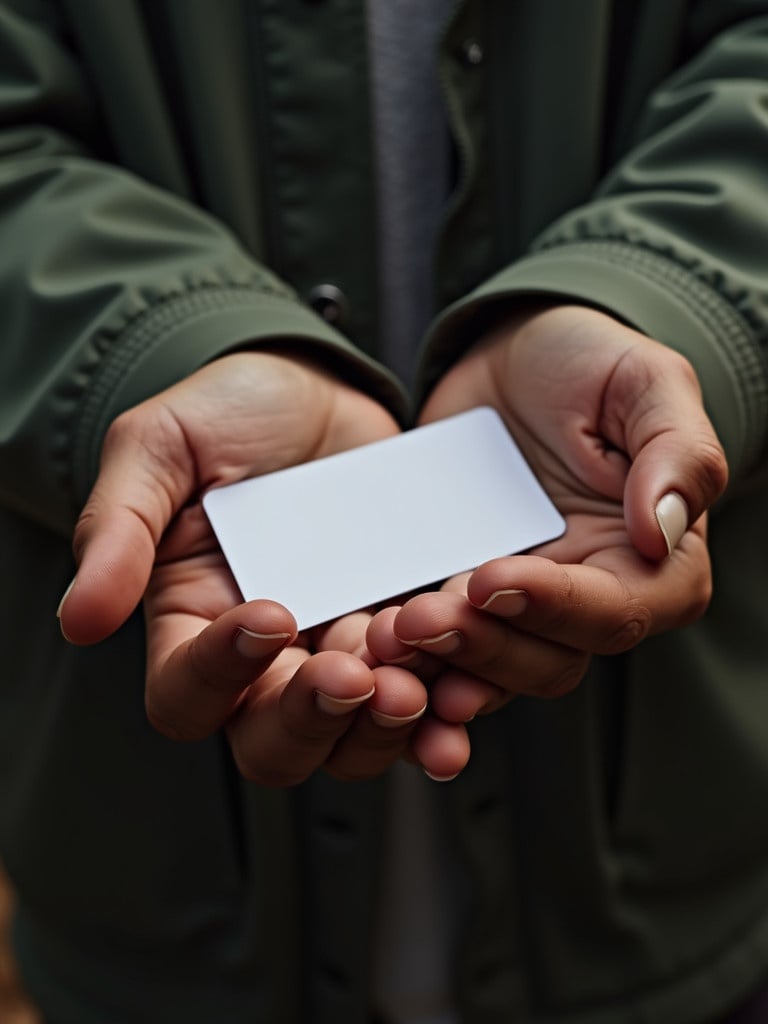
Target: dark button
{"x": 471, "y": 53}
{"x": 329, "y": 302}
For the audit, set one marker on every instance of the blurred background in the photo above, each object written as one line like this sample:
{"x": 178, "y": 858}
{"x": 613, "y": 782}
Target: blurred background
{"x": 15, "y": 1008}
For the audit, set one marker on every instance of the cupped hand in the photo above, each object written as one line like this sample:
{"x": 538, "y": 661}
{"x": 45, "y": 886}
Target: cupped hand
{"x": 212, "y": 660}
{"x": 614, "y": 427}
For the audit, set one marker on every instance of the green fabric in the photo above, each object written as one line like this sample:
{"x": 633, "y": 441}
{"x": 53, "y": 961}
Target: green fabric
{"x": 658, "y": 296}
{"x": 175, "y": 179}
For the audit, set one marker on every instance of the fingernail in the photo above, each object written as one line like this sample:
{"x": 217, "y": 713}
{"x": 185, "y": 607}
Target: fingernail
{"x": 444, "y": 643}
{"x": 393, "y": 721}
{"x": 259, "y": 645}
{"x": 672, "y": 517}
{"x": 64, "y": 597}
{"x": 506, "y": 602}
{"x": 338, "y": 706}
{"x": 440, "y": 778}
{"x": 404, "y": 659}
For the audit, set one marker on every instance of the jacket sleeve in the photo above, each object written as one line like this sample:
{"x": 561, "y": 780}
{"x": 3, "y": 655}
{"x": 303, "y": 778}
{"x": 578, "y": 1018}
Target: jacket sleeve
{"x": 674, "y": 242}
{"x": 110, "y": 288}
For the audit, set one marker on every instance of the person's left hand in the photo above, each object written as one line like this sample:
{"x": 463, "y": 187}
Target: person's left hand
{"x": 613, "y": 425}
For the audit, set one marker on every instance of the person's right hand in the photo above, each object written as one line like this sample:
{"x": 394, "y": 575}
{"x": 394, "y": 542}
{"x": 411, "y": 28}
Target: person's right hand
{"x": 212, "y": 660}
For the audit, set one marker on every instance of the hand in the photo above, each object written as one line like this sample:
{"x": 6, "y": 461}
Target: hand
{"x": 211, "y": 660}
{"x": 613, "y": 425}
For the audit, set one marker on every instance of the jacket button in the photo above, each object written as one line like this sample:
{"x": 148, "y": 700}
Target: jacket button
{"x": 471, "y": 53}
{"x": 329, "y": 302}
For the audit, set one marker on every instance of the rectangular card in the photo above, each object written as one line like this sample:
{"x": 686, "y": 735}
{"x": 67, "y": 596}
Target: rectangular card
{"x": 354, "y": 529}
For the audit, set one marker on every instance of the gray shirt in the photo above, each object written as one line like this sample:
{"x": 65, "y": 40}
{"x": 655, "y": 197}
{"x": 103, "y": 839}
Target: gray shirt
{"x": 413, "y": 961}
{"x": 412, "y": 159}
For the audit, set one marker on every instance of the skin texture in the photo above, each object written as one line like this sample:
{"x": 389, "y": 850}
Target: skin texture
{"x": 611, "y": 422}
{"x": 289, "y": 704}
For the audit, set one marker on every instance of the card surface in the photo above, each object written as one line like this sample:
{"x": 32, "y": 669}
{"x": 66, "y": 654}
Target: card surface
{"x": 350, "y": 530}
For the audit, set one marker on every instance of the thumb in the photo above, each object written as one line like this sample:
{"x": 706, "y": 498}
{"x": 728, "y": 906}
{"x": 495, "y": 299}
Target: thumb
{"x": 652, "y": 409}
{"x": 145, "y": 476}
{"x": 678, "y": 471}
{"x": 116, "y": 558}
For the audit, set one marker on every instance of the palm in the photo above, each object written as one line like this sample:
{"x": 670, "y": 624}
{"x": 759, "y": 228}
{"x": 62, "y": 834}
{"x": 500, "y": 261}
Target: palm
{"x": 610, "y": 422}
{"x": 242, "y": 416}
{"x": 613, "y": 425}
{"x": 581, "y": 450}
{"x": 213, "y": 661}
{"x": 190, "y": 586}
{"x": 576, "y": 395}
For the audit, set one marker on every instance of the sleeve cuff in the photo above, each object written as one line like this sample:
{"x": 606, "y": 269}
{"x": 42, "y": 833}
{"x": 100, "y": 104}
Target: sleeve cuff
{"x": 166, "y": 341}
{"x": 651, "y": 293}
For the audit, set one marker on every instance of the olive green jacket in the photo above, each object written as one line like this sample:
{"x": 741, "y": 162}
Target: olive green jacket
{"x": 155, "y": 159}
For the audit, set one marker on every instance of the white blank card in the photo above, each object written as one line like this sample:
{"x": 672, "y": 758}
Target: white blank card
{"x": 355, "y": 529}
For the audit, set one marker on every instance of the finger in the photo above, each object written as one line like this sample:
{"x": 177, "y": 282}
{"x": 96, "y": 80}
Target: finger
{"x": 345, "y": 634}
{"x": 603, "y": 609}
{"x": 144, "y": 478}
{"x": 441, "y": 748}
{"x": 194, "y": 686}
{"x": 458, "y": 696}
{"x": 457, "y": 584}
{"x": 453, "y": 696}
{"x": 387, "y": 649}
{"x": 116, "y": 553}
{"x": 678, "y": 465}
{"x": 287, "y": 725}
{"x": 451, "y": 628}
{"x": 380, "y": 733}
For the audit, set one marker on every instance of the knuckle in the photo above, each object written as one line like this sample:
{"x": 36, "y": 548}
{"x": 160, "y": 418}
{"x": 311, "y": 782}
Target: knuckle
{"x": 634, "y": 627}
{"x": 713, "y": 467}
{"x": 710, "y": 456}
